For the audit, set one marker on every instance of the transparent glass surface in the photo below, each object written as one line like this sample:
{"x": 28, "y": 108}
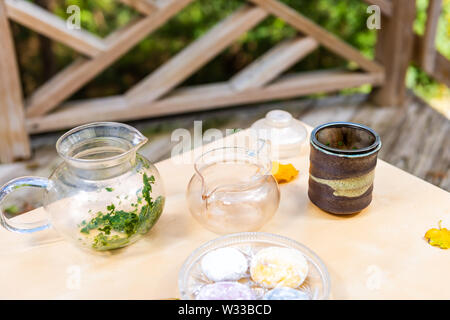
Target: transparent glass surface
{"x": 233, "y": 190}
{"x": 191, "y": 278}
{"x": 104, "y": 195}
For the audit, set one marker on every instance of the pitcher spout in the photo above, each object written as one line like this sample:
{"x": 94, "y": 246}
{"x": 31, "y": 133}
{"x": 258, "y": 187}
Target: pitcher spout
{"x": 233, "y": 190}
{"x": 224, "y": 171}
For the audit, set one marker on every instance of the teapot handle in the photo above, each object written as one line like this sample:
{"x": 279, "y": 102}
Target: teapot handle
{"x": 15, "y": 184}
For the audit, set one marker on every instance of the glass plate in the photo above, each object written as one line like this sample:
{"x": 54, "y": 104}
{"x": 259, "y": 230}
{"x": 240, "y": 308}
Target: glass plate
{"x": 191, "y": 278}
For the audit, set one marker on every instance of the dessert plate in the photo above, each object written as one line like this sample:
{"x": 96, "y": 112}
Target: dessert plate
{"x": 192, "y": 278}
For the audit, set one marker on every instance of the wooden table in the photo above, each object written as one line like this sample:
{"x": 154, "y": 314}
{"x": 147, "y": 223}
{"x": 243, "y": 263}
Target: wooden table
{"x": 379, "y": 253}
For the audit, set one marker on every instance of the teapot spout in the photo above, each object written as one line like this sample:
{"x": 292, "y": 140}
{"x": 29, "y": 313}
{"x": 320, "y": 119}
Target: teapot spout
{"x": 139, "y": 139}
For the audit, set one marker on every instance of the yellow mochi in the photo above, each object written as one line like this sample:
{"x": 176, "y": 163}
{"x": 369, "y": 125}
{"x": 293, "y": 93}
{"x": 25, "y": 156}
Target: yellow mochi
{"x": 274, "y": 267}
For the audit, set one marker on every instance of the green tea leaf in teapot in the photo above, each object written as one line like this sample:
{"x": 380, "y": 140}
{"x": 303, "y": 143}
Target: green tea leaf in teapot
{"x": 124, "y": 223}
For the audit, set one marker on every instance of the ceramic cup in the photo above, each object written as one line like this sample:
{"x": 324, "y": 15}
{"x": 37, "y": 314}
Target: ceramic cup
{"x": 342, "y": 166}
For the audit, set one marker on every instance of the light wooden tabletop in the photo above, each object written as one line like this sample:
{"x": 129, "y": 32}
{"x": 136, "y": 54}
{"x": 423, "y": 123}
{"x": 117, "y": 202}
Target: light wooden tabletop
{"x": 379, "y": 253}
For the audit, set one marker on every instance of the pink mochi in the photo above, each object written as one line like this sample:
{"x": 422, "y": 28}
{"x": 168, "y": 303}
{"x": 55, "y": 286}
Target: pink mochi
{"x": 225, "y": 290}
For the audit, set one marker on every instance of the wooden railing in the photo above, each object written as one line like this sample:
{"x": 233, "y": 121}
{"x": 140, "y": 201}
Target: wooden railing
{"x": 47, "y": 109}
{"x": 425, "y": 53}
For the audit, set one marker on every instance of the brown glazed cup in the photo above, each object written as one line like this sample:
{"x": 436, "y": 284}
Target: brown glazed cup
{"x": 342, "y": 166}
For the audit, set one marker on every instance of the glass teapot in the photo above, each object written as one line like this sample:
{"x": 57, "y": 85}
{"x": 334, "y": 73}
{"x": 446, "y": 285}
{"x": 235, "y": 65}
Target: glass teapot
{"x": 233, "y": 190}
{"x": 104, "y": 195}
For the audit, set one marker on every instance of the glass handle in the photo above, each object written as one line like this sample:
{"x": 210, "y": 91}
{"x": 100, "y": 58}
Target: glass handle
{"x": 13, "y": 185}
{"x": 263, "y": 147}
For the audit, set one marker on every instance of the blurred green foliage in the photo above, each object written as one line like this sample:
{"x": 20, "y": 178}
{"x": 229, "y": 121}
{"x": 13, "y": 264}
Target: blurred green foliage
{"x": 347, "y": 19}
{"x": 422, "y": 84}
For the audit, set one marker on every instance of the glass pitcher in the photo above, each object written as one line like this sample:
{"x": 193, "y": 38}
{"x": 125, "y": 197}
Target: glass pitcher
{"x": 104, "y": 195}
{"x": 233, "y": 190}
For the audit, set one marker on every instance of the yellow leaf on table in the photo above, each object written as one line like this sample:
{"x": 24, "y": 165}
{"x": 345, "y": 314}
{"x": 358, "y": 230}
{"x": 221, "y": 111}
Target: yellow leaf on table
{"x": 283, "y": 172}
{"x": 438, "y": 237}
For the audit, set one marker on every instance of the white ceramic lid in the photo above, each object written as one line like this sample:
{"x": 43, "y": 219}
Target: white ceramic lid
{"x": 286, "y": 134}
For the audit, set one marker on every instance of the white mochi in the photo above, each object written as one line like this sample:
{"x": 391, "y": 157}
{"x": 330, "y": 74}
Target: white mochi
{"x": 225, "y": 264}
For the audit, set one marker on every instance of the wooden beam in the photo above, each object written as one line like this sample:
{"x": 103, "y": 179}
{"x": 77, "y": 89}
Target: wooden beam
{"x": 197, "y": 98}
{"x": 394, "y": 51}
{"x": 47, "y": 24}
{"x": 324, "y": 37}
{"x": 273, "y": 63}
{"x": 143, "y": 6}
{"x": 159, "y": 3}
{"x": 441, "y": 65}
{"x": 428, "y": 43}
{"x": 196, "y": 54}
{"x": 14, "y": 142}
{"x": 385, "y": 6}
{"x": 441, "y": 69}
{"x": 68, "y": 81}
